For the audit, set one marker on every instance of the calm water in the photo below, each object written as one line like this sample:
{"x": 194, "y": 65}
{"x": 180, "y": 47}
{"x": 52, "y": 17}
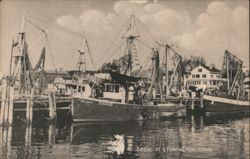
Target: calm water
{"x": 222, "y": 136}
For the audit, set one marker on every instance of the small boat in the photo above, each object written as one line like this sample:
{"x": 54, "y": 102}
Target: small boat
{"x": 231, "y": 95}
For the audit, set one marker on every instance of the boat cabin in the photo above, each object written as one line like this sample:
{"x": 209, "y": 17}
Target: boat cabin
{"x": 116, "y": 92}
{"x": 81, "y": 89}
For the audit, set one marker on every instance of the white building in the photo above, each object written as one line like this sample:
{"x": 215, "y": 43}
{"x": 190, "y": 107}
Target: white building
{"x": 204, "y": 77}
{"x": 247, "y": 87}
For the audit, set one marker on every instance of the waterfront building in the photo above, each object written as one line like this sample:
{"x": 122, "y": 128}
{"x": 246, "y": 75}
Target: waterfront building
{"x": 204, "y": 77}
{"x": 247, "y": 87}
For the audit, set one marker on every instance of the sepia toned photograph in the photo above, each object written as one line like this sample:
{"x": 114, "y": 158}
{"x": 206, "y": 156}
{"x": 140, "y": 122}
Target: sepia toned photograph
{"x": 124, "y": 79}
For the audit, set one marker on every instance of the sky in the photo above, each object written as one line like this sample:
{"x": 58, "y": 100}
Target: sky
{"x": 193, "y": 27}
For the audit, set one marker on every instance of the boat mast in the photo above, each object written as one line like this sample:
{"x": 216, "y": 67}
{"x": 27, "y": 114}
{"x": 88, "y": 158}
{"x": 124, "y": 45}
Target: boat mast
{"x": 130, "y": 43}
{"x": 232, "y": 76}
{"x": 11, "y": 56}
{"x": 227, "y": 66}
{"x": 81, "y": 64}
{"x": 155, "y": 77}
{"x": 23, "y": 61}
{"x": 166, "y": 73}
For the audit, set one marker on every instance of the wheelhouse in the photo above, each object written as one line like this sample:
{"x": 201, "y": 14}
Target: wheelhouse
{"x": 114, "y": 91}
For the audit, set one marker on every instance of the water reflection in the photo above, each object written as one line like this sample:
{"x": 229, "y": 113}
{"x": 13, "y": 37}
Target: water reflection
{"x": 223, "y": 136}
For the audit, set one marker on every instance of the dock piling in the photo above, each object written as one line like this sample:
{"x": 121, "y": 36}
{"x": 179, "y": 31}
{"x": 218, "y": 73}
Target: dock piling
{"x": 3, "y": 100}
{"x": 6, "y": 107}
{"x": 29, "y": 107}
{"x": 201, "y": 102}
{"x": 11, "y": 98}
{"x": 28, "y": 110}
{"x": 192, "y": 105}
{"x": 181, "y": 101}
{"x": 52, "y": 106}
{"x": 193, "y": 99}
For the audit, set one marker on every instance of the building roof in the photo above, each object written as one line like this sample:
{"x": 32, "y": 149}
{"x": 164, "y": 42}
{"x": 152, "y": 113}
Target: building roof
{"x": 211, "y": 69}
{"x": 56, "y": 72}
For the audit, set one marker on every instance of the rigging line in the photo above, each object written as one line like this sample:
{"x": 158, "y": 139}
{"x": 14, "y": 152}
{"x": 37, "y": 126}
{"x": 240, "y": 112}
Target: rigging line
{"x": 121, "y": 32}
{"x": 50, "y": 51}
{"x": 57, "y": 26}
{"x": 38, "y": 39}
{"x": 146, "y": 62}
{"x": 137, "y": 28}
{"x": 115, "y": 51}
{"x": 90, "y": 55}
{"x": 174, "y": 50}
{"x": 149, "y": 57}
{"x": 144, "y": 44}
{"x": 39, "y": 28}
{"x": 116, "y": 37}
{"x": 32, "y": 59}
{"x": 226, "y": 51}
{"x": 141, "y": 25}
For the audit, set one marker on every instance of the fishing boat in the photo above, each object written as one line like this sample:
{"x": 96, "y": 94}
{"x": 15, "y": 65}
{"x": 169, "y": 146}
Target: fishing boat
{"x": 122, "y": 97}
{"x": 231, "y": 95}
{"x": 79, "y": 81}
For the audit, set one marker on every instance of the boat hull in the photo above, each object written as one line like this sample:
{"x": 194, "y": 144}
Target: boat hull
{"x": 220, "y": 104}
{"x": 90, "y": 109}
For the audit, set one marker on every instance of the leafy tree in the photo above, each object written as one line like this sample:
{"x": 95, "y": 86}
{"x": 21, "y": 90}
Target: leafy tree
{"x": 189, "y": 63}
{"x": 117, "y": 65}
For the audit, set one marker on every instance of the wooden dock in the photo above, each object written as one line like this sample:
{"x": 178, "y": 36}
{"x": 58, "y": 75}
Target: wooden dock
{"x": 51, "y": 104}
{"x": 28, "y": 104}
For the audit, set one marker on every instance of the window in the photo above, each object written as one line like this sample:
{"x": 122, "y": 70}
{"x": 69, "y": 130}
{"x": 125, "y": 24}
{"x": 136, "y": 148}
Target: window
{"x": 199, "y": 70}
{"x": 83, "y": 89}
{"x": 116, "y": 88}
{"x": 108, "y": 88}
{"x": 204, "y": 76}
{"x": 197, "y": 76}
{"x": 193, "y": 76}
{"x": 111, "y": 88}
{"x": 212, "y": 76}
{"x": 218, "y": 76}
{"x": 204, "y": 82}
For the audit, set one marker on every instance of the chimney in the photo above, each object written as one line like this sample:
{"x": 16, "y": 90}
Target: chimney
{"x": 211, "y": 66}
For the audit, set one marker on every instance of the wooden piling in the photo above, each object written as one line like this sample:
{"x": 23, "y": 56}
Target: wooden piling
{"x": 28, "y": 135}
{"x": 51, "y": 134}
{"x": 180, "y": 100}
{"x": 6, "y": 110}
{"x": 11, "y": 98}
{"x": 54, "y": 105}
{"x": 28, "y": 110}
{"x": 193, "y": 99}
{"x": 201, "y": 102}
{"x": 72, "y": 105}
{"x": 3, "y": 98}
{"x": 50, "y": 105}
{"x": 192, "y": 105}
{"x": 31, "y": 105}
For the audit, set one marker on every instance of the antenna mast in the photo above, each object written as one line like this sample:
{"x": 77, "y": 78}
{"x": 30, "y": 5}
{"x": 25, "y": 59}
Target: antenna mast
{"x": 81, "y": 64}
